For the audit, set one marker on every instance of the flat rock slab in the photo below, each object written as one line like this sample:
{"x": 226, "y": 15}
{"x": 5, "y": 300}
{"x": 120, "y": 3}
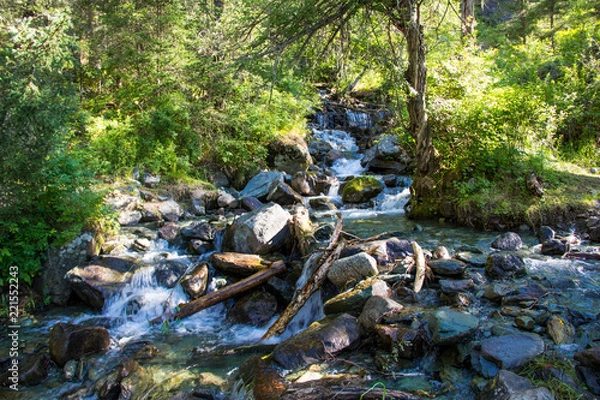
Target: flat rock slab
{"x": 449, "y": 326}
{"x": 321, "y": 339}
{"x": 512, "y": 351}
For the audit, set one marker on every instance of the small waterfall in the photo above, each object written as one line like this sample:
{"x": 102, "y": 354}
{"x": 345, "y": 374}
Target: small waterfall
{"x": 358, "y": 119}
{"x": 313, "y": 308}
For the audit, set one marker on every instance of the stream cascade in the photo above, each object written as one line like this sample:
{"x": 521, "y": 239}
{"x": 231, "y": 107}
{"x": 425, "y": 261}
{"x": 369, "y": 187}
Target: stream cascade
{"x": 444, "y": 341}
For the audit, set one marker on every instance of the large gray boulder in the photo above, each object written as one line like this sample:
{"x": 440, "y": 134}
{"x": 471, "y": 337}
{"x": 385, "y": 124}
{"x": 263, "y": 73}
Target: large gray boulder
{"x": 504, "y": 265}
{"x": 352, "y": 269}
{"x": 261, "y": 185}
{"x": 361, "y": 189}
{"x": 321, "y": 339}
{"x": 261, "y": 231}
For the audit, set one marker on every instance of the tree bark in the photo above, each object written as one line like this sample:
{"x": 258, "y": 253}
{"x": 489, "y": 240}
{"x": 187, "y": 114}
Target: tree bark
{"x": 406, "y": 18}
{"x": 227, "y": 292}
{"x": 467, "y": 17}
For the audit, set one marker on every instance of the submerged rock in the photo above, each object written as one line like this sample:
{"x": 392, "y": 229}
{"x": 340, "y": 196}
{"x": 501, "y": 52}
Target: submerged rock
{"x": 254, "y": 309}
{"x": 71, "y": 342}
{"x": 321, "y": 339}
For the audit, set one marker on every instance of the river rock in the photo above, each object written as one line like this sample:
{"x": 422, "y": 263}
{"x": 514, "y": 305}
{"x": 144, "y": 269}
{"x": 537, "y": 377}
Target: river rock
{"x": 32, "y": 370}
{"x": 512, "y": 351}
{"x": 554, "y": 247}
{"x": 560, "y": 330}
{"x": 524, "y": 296}
{"x": 289, "y": 154}
{"x": 450, "y": 286}
{"x": 449, "y": 326}
{"x": 352, "y": 269}
{"x": 261, "y": 185}
{"x": 376, "y": 310}
{"x": 238, "y": 264}
{"x": 284, "y": 195}
{"x": 321, "y": 339}
{"x": 199, "y": 230}
{"x": 167, "y": 273}
{"x": 226, "y": 200}
{"x": 261, "y": 379}
{"x": 94, "y": 283}
{"x": 169, "y": 232}
{"x": 71, "y": 342}
{"x": 255, "y": 309}
{"x": 448, "y": 267}
{"x": 58, "y": 263}
{"x": 590, "y": 377}
{"x": 312, "y": 183}
{"x": 546, "y": 234}
{"x": 196, "y": 281}
{"x": 150, "y": 213}
{"x": 440, "y": 253}
{"x": 508, "y": 241}
{"x": 361, "y": 189}
{"x": 250, "y": 203}
{"x": 404, "y": 341}
{"x": 261, "y": 231}
{"x": 510, "y": 386}
{"x": 524, "y": 322}
{"x": 129, "y": 218}
{"x": 504, "y": 265}
{"x": 354, "y": 300}
{"x": 589, "y": 358}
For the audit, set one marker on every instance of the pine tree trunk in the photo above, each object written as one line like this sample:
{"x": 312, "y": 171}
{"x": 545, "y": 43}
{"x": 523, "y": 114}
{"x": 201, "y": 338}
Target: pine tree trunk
{"x": 467, "y": 17}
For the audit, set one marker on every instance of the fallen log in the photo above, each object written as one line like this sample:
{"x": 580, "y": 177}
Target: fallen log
{"x": 210, "y": 299}
{"x": 421, "y": 267}
{"x": 313, "y": 284}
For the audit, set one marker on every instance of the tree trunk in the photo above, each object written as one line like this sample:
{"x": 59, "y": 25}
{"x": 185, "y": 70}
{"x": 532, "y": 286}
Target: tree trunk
{"x": 407, "y": 19}
{"x": 468, "y": 17}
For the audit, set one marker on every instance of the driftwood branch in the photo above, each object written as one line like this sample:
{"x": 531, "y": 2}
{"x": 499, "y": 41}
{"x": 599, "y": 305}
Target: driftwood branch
{"x": 421, "y": 267}
{"x": 194, "y": 306}
{"x": 312, "y": 285}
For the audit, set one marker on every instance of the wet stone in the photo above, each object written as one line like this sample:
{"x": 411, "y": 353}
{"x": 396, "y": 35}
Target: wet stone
{"x": 376, "y": 310}
{"x": 510, "y": 386}
{"x": 167, "y": 274}
{"x": 404, "y": 341}
{"x": 560, "y": 330}
{"x": 525, "y": 323}
{"x": 554, "y": 247}
{"x": 475, "y": 259}
{"x": 504, "y": 265}
{"x": 195, "y": 282}
{"x": 352, "y": 269}
{"x": 450, "y": 286}
{"x": 508, "y": 241}
{"x": 354, "y": 300}
{"x": 71, "y": 342}
{"x": 448, "y": 267}
{"x": 199, "y": 230}
{"x": 449, "y": 326}
{"x": 589, "y": 358}
{"x": 512, "y": 351}
{"x": 525, "y": 296}
{"x": 255, "y": 309}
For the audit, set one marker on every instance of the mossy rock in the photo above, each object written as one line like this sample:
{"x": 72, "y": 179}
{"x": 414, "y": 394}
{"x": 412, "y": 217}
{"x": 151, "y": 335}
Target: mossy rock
{"x": 361, "y": 189}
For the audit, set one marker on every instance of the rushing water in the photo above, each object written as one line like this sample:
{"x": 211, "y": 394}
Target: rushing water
{"x": 189, "y": 348}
